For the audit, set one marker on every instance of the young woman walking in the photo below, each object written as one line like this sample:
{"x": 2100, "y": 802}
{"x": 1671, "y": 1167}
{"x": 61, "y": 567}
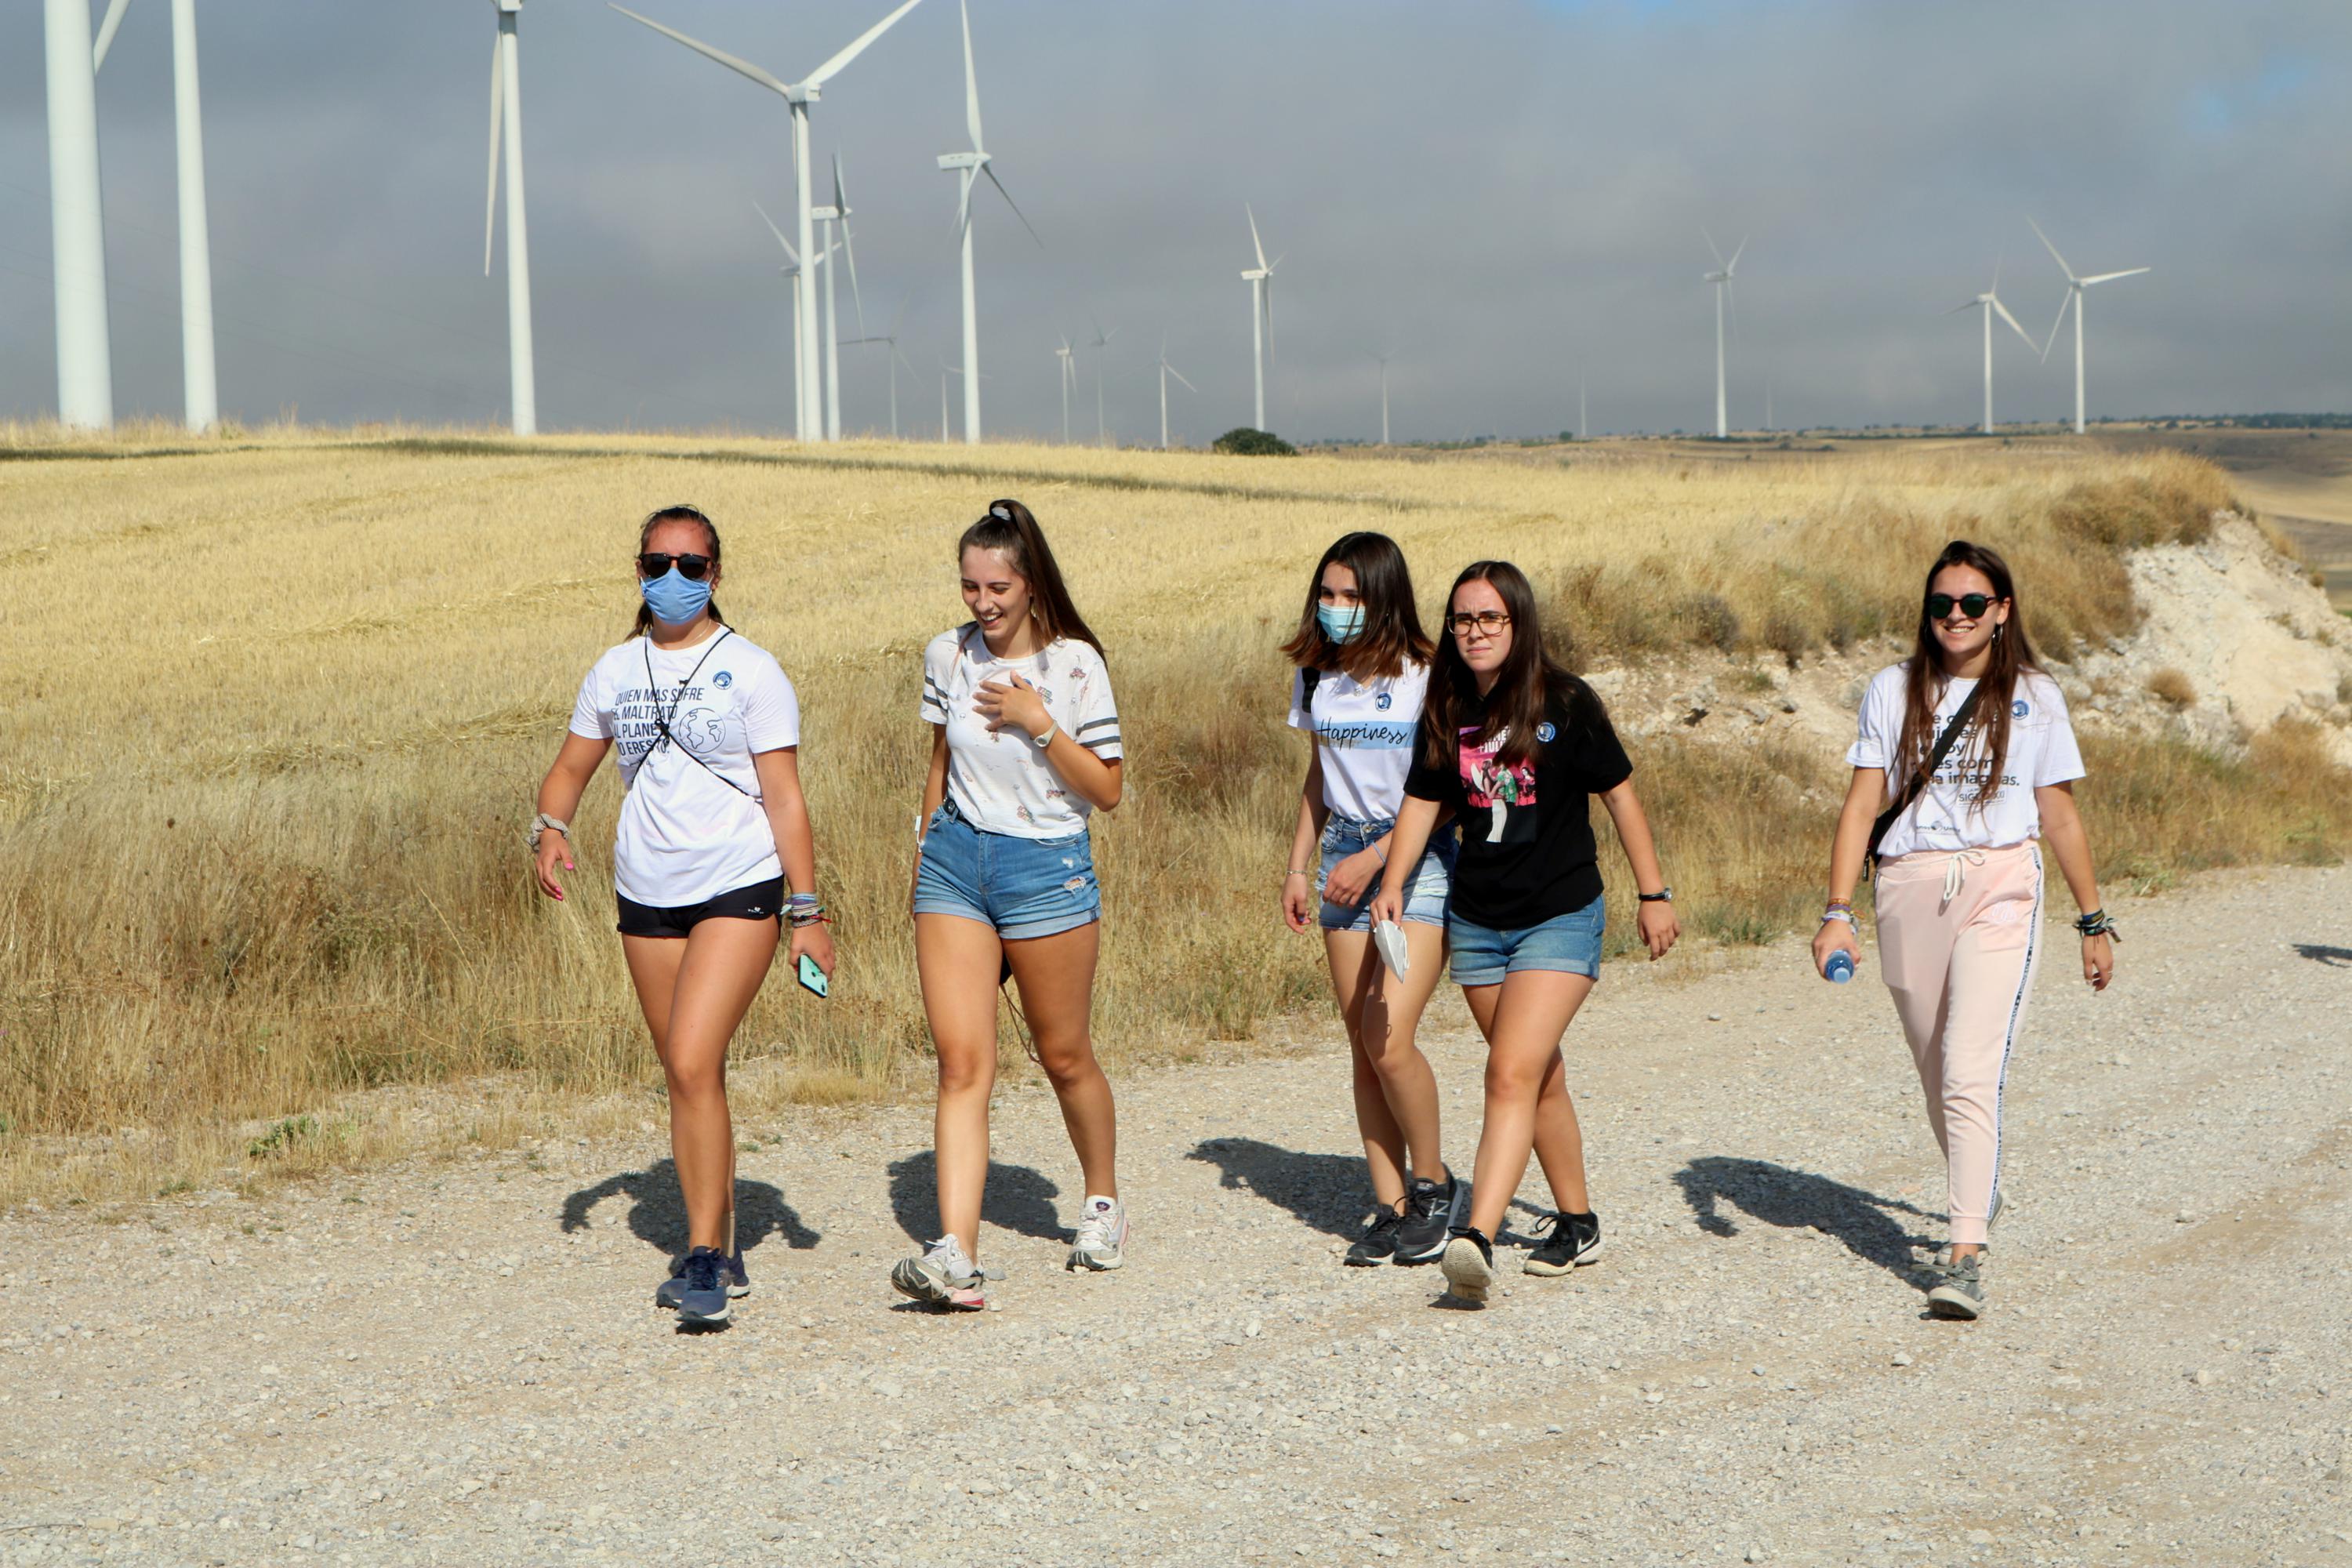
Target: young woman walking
{"x": 1362, "y": 670}
{"x": 1024, "y": 747}
{"x": 1517, "y": 746}
{"x": 712, "y": 828}
{"x": 1971, "y": 741}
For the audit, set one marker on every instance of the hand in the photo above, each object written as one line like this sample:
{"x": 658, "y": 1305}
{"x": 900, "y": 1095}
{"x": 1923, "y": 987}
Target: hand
{"x": 1352, "y": 878}
{"x": 1836, "y": 936}
{"x": 2098, "y": 961}
{"x": 1298, "y": 901}
{"x": 1659, "y": 928}
{"x": 816, "y": 940}
{"x": 1388, "y": 904}
{"x": 1013, "y": 704}
{"x": 554, "y": 849}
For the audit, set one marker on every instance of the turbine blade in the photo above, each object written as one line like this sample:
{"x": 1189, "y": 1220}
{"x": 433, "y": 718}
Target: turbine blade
{"x": 1965, "y": 305}
{"x": 2012, "y": 320}
{"x": 2110, "y": 276}
{"x": 2053, "y": 253}
{"x": 963, "y": 206}
{"x": 1711, "y": 249}
{"x": 1015, "y": 206}
{"x": 825, "y": 72}
{"x": 1732, "y": 265}
{"x": 971, "y": 82}
{"x": 778, "y": 233}
{"x": 743, "y": 67}
{"x": 848, "y": 243}
{"x": 1254, "y": 243}
{"x": 498, "y": 120}
{"x": 1997, "y": 260}
{"x": 106, "y": 34}
{"x": 2049, "y": 343}
{"x": 1180, "y": 376}
{"x": 840, "y": 197}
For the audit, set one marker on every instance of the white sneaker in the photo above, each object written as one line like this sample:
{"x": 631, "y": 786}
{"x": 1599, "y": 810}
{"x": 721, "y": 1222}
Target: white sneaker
{"x": 1101, "y": 1241}
{"x": 942, "y": 1276}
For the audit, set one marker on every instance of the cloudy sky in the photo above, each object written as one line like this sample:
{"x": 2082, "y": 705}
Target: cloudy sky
{"x": 1504, "y": 195}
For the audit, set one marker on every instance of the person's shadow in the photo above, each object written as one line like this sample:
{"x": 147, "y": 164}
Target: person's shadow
{"x": 2334, "y": 957}
{"x": 1018, "y": 1199}
{"x": 1326, "y": 1192}
{"x": 657, "y": 1214}
{"x": 1775, "y": 1194}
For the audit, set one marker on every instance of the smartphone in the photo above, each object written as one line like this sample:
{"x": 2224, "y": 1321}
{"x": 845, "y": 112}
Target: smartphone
{"x": 811, "y": 977}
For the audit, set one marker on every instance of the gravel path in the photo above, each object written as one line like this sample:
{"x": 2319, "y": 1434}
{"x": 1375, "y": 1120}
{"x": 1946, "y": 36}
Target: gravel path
{"x": 459, "y": 1362}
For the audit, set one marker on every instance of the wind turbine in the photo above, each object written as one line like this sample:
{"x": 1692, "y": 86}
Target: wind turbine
{"x": 199, "y": 380}
{"x": 838, "y": 213}
{"x": 1384, "y": 359}
{"x": 1990, "y": 301}
{"x": 1261, "y": 282}
{"x": 1069, "y": 379}
{"x": 76, "y": 220}
{"x": 1167, "y": 370}
{"x": 799, "y": 95}
{"x": 2074, "y": 287}
{"x": 506, "y": 114}
{"x": 970, "y": 166}
{"x": 1583, "y": 431}
{"x": 1721, "y": 279}
{"x": 790, "y": 271}
{"x": 891, "y": 338}
{"x": 1102, "y": 344}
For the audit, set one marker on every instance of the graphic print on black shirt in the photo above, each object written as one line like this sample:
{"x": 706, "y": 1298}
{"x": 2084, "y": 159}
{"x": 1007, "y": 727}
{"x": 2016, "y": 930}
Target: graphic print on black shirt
{"x": 1507, "y": 790}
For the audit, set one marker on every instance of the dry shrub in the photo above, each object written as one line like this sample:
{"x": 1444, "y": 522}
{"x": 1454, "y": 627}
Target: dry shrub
{"x": 2172, "y": 687}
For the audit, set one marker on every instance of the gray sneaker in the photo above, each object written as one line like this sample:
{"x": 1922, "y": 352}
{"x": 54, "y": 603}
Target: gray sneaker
{"x": 1101, "y": 1241}
{"x": 942, "y": 1276}
{"x": 668, "y": 1292}
{"x": 1961, "y": 1293}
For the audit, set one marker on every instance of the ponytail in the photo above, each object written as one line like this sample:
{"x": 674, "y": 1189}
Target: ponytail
{"x": 1010, "y": 527}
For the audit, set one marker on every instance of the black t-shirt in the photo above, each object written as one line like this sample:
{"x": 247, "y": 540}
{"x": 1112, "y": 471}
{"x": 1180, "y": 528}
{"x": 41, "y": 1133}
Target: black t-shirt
{"x": 1527, "y": 854}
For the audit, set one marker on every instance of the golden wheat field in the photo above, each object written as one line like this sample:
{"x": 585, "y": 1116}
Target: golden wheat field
{"x": 276, "y": 706}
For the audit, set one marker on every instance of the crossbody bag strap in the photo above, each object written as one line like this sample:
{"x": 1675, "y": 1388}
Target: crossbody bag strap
{"x": 1914, "y": 787}
{"x": 662, "y": 733}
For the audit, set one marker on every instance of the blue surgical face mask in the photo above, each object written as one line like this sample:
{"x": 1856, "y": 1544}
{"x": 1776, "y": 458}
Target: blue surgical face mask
{"x": 674, "y": 600}
{"x": 1340, "y": 623}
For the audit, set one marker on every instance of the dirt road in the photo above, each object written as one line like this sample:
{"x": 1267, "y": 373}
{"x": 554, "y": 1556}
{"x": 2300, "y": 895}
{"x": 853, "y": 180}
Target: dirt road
{"x": 460, "y": 1363}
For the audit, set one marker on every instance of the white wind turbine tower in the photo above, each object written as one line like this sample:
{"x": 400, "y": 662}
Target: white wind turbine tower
{"x": 77, "y": 221}
{"x": 1990, "y": 301}
{"x": 808, "y": 404}
{"x": 1067, "y": 356}
{"x": 1102, "y": 344}
{"x": 199, "y": 381}
{"x": 1261, "y": 282}
{"x": 970, "y": 165}
{"x": 1384, "y": 359}
{"x": 2074, "y": 287}
{"x": 1167, "y": 370}
{"x": 1721, "y": 279}
{"x": 838, "y": 213}
{"x": 506, "y": 114}
{"x": 790, "y": 271}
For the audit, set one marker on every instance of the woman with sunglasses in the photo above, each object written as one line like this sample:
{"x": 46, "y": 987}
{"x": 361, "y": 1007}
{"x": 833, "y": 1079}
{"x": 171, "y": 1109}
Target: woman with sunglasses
{"x": 1518, "y": 747}
{"x": 1972, "y": 742}
{"x": 1025, "y": 748}
{"x": 712, "y": 828}
{"x": 1362, "y": 670}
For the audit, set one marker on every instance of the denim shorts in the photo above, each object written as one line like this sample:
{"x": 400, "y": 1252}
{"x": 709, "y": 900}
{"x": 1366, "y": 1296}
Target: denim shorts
{"x": 1022, "y": 886}
{"x": 1425, "y": 895}
{"x": 1568, "y": 944}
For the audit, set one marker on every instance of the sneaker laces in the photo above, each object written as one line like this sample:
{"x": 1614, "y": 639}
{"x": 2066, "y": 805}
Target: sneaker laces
{"x": 1094, "y": 1227}
{"x": 947, "y": 1252}
{"x": 1383, "y": 1220}
{"x": 1427, "y": 1201}
{"x": 702, "y": 1268}
{"x": 1557, "y": 1227}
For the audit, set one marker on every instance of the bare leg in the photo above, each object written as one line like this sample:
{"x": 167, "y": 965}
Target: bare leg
{"x": 959, "y": 961}
{"x": 1523, "y": 1019}
{"x": 1056, "y": 977}
{"x": 1396, "y": 1092}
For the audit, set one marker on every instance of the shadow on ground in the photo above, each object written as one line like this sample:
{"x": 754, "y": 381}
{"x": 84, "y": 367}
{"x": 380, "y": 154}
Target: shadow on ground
{"x": 1018, "y": 1199}
{"x": 1328, "y": 1193}
{"x": 2334, "y": 957}
{"x": 1775, "y": 1194}
{"x": 657, "y": 1216}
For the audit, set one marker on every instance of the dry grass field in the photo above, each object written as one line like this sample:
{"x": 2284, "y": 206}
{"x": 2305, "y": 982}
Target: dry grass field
{"x": 278, "y": 705}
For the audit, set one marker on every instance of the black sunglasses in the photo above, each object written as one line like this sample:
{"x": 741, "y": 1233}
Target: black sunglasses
{"x": 653, "y": 564}
{"x": 1973, "y": 605}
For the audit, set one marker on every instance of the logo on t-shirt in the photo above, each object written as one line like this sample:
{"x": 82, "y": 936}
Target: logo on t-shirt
{"x": 1383, "y": 702}
{"x": 723, "y": 680}
{"x": 2020, "y": 708}
{"x": 1506, "y": 790}
{"x": 1544, "y": 733}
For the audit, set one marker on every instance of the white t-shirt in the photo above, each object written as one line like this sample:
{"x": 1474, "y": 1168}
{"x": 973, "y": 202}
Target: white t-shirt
{"x": 691, "y": 830}
{"x": 1365, "y": 734}
{"x": 999, "y": 779}
{"x": 2041, "y": 751}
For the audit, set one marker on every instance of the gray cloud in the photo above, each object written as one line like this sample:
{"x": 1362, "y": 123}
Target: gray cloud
{"x": 1505, "y": 194}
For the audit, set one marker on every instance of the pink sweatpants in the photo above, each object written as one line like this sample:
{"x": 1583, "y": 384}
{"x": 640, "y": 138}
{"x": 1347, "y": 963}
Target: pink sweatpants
{"x": 1958, "y": 934}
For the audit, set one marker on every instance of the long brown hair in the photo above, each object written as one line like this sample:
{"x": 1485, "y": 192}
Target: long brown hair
{"x": 1924, "y": 680}
{"x": 1392, "y": 638}
{"x": 1529, "y": 677}
{"x": 678, "y": 513}
{"x": 1009, "y": 526}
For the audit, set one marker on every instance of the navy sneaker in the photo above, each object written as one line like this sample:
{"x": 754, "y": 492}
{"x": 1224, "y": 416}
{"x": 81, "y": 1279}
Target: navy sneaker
{"x": 668, "y": 1292}
{"x": 702, "y": 1294}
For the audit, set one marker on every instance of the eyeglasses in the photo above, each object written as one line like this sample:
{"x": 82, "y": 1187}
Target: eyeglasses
{"x": 1487, "y": 621}
{"x": 693, "y": 568}
{"x": 1972, "y": 606}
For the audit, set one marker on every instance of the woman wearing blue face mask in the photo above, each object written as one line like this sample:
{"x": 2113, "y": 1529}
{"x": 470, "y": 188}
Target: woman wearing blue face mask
{"x": 712, "y": 829}
{"x": 1362, "y": 668}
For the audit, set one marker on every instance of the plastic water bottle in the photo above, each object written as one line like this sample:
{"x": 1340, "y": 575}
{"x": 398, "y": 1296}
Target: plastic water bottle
{"x": 1840, "y": 968}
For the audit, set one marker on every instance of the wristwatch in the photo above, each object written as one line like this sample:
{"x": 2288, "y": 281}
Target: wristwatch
{"x": 1662, "y": 896}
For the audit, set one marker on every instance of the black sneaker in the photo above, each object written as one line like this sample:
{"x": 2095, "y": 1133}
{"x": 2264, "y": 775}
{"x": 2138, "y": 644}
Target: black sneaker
{"x": 702, "y": 1295}
{"x": 1377, "y": 1244}
{"x": 1430, "y": 1209}
{"x": 1469, "y": 1266}
{"x": 1574, "y": 1241}
{"x": 668, "y": 1292}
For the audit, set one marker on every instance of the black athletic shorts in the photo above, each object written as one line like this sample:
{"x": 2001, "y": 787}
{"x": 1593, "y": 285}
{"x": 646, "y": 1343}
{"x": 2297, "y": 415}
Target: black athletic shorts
{"x": 760, "y": 901}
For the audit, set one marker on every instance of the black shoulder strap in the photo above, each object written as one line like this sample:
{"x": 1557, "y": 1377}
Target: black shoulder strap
{"x": 1307, "y": 676}
{"x": 1916, "y": 783}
